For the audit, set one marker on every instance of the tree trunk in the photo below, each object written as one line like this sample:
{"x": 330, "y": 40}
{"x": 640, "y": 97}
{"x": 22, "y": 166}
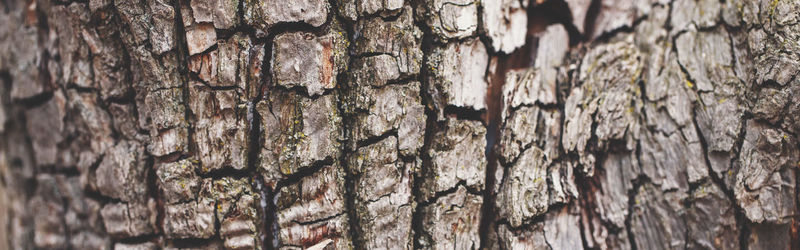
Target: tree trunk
{"x": 424, "y": 124}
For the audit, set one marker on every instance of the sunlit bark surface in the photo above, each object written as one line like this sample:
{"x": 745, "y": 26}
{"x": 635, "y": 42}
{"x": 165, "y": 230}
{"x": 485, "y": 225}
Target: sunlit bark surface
{"x": 399, "y": 124}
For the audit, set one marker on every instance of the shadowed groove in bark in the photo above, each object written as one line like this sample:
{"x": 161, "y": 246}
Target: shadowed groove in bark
{"x": 267, "y": 202}
{"x": 269, "y": 228}
{"x": 346, "y": 150}
{"x": 741, "y": 220}
{"x": 591, "y": 17}
{"x": 586, "y": 215}
{"x": 539, "y": 17}
{"x": 632, "y": 194}
{"x": 431, "y": 128}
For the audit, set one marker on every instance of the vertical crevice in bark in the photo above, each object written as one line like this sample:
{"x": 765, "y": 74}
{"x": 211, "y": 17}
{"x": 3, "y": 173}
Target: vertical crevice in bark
{"x": 493, "y": 111}
{"x": 431, "y": 127}
{"x": 266, "y": 213}
{"x": 586, "y": 202}
{"x": 632, "y": 202}
{"x": 539, "y": 17}
{"x": 741, "y": 219}
{"x": 267, "y": 193}
{"x": 744, "y": 230}
{"x": 520, "y": 58}
{"x": 349, "y": 144}
{"x": 352, "y": 215}
{"x": 268, "y": 229}
{"x": 182, "y": 53}
{"x": 153, "y": 191}
{"x": 591, "y": 17}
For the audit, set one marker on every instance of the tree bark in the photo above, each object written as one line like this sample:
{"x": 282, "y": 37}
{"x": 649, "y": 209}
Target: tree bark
{"x": 424, "y": 124}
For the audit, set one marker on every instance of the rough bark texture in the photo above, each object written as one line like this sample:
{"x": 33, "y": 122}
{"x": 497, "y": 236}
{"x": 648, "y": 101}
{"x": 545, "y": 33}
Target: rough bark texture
{"x": 399, "y": 124}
